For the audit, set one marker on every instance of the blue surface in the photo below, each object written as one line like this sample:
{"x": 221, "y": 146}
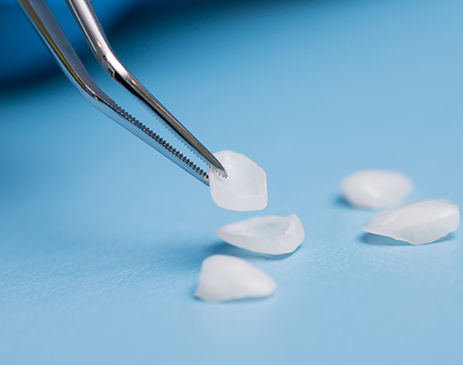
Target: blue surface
{"x": 102, "y": 238}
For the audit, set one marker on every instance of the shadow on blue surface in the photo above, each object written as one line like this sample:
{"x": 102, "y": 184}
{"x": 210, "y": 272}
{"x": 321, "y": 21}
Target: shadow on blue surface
{"x": 376, "y": 240}
{"x": 244, "y": 301}
{"x": 340, "y": 202}
{"x": 223, "y": 248}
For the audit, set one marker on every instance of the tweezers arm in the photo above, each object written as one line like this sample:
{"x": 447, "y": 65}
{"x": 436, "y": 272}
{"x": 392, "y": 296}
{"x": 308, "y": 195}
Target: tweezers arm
{"x": 91, "y": 28}
{"x": 51, "y": 33}
{"x": 54, "y": 38}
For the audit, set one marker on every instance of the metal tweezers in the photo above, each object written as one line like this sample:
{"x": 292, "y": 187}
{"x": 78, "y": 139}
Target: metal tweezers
{"x": 51, "y": 33}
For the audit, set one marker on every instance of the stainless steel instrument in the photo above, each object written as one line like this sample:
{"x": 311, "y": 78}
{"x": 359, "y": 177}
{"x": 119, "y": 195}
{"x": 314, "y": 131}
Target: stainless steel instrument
{"x": 48, "y": 28}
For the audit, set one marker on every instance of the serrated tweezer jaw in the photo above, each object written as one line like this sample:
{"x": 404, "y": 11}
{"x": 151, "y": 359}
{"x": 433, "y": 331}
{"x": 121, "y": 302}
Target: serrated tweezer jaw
{"x": 48, "y": 28}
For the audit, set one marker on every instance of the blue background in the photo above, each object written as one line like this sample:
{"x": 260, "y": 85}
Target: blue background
{"x": 102, "y": 238}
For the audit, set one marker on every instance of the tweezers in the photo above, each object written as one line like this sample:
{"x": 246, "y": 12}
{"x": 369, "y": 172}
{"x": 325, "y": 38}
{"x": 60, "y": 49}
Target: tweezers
{"x": 51, "y": 33}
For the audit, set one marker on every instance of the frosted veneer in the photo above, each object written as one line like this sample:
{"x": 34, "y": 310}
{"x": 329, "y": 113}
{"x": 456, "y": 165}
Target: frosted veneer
{"x": 423, "y": 221}
{"x": 271, "y": 235}
{"x": 244, "y": 189}
{"x": 375, "y": 189}
{"x": 225, "y": 278}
